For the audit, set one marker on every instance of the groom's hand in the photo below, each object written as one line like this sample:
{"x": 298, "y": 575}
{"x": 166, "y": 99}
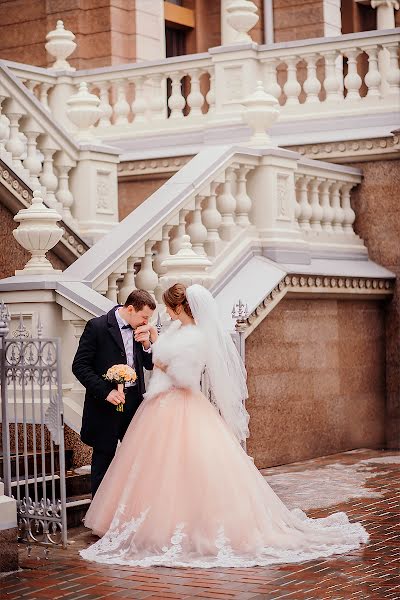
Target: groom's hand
{"x": 116, "y": 397}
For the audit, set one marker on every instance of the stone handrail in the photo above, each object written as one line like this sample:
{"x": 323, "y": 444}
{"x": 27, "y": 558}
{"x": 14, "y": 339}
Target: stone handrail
{"x": 46, "y": 157}
{"x": 202, "y": 222}
{"x": 347, "y": 75}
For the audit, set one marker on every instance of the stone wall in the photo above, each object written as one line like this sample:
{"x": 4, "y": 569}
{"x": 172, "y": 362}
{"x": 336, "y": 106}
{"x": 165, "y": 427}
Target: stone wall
{"x": 131, "y": 193}
{"x": 12, "y": 255}
{"x": 376, "y": 203}
{"x": 294, "y": 20}
{"x": 316, "y": 380}
{"x": 104, "y": 29}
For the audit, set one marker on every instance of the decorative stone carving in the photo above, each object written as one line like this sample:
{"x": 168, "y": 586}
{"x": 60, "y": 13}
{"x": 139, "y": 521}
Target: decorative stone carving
{"x": 60, "y": 44}
{"x": 307, "y": 284}
{"x": 38, "y": 233}
{"x": 261, "y": 111}
{"x": 242, "y": 16}
{"x": 84, "y": 111}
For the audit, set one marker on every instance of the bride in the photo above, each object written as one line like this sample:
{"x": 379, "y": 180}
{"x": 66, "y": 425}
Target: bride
{"x": 181, "y": 491}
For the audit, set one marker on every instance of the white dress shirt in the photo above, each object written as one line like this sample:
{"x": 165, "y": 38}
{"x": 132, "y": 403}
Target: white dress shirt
{"x": 127, "y": 338}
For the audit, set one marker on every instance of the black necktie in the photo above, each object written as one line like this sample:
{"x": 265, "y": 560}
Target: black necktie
{"x": 127, "y": 327}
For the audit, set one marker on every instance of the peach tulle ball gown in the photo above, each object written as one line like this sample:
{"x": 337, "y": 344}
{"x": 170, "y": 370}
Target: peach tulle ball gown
{"x": 181, "y": 491}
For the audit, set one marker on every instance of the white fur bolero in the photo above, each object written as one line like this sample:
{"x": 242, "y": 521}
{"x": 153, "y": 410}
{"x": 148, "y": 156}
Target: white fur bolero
{"x": 182, "y": 349}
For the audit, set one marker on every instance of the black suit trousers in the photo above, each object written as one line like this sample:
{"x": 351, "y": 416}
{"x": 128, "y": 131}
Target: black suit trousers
{"x": 101, "y": 458}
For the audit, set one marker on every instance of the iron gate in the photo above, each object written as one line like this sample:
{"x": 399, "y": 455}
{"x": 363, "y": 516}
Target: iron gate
{"x": 33, "y": 432}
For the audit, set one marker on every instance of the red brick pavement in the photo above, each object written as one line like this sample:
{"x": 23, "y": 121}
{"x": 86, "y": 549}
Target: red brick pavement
{"x": 371, "y": 573}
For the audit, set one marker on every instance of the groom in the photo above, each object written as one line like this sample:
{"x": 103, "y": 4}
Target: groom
{"x": 122, "y": 336}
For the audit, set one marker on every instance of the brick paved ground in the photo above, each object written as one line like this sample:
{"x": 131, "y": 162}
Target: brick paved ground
{"x": 363, "y": 483}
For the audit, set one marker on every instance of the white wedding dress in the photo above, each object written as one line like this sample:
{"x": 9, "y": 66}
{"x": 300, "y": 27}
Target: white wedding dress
{"x": 181, "y": 491}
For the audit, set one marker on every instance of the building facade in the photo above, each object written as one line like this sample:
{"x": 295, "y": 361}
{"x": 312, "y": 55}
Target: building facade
{"x": 128, "y": 133}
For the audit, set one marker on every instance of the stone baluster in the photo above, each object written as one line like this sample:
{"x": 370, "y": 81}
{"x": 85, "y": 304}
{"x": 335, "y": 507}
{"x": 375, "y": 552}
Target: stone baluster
{"x": 212, "y": 221}
{"x": 327, "y": 210}
{"x": 331, "y": 82}
{"x": 292, "y": 87}
{"x": 121, "y": 107}
{"x": 147, "y": 278}
{"x": 64, "y": 196}
{"x": 243, "y": 200}
{"x": 48, "y": 177}
{"x": 373, "y": 77}
{"x": 297, "y": 185}
{"x": 195, "y": 98}
{"x": 158, "y": 97}
{"x": 4, "y": 128}
{"x": 112, "y": 289}
{"x": 162, "y": 254}
{"x": 139, "y": 105}
{"x": 176, "y": 101}
{"x": 271, "y": 83}
{"x": 210, "y": 96}
{"x": 163, "y": 250}
{"x": 316, "y": 208}
{"x": 44, "y": 94}
{"x": 128, "y": 282}
{"x": 14, "y": 144}
{"x": 304, "y": 203}
{"x": 393, "y": 71}
{"x": 196, "y": 230}
{"x": 176, "y": 242}
{"x": 352, "y": 81}
{"x": 312, "y": 85}
{"x": 31, "y": 84}
{"x": 338, "y": 213}
{"x": 349, "y": 215}
{"x": 105, "y": 106}
{"x": 32, "y": 161}
{"x": 226, "y": 204}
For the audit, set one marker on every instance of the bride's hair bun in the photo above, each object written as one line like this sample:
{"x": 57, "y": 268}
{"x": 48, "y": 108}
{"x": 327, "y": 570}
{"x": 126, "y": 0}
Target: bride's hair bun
{"x": 176, "y": 296}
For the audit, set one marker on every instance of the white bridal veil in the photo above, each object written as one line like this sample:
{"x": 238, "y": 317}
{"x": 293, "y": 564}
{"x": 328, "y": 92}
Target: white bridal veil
{"x": 224, "y": 366}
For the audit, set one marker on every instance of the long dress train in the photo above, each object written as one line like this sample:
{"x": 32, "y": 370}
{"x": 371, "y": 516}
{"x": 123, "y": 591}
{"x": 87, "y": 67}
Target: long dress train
{"x": 181, "y": 491}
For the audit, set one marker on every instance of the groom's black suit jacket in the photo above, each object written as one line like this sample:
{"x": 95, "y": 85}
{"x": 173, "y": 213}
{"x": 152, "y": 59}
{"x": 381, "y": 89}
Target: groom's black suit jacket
{"x": 101, "y": 347}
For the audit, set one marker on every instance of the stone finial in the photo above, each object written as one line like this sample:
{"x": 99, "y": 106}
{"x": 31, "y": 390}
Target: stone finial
{"x": 186, "y": 259}
{"x": 83, "y": 110}
{"x": 60, "y": 44}
{"x": 38, "y": 233}
{"x": 261, "y": 111}
{"x": 242, "y": 16}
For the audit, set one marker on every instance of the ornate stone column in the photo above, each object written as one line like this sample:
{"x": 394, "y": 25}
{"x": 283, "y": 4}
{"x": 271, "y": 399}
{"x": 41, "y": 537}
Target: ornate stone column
{"x": 385, "y": 13}
{"x": 385, "y": 20}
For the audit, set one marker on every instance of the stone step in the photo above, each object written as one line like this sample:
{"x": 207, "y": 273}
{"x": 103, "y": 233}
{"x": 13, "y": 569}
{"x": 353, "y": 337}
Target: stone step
{"x": 30, "y": 460}
{"x": 75, "y": 485}
{"x": 76, "y": 509}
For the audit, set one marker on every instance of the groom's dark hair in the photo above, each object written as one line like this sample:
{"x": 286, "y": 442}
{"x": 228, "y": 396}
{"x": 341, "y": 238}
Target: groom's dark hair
{"x": 140, "y": 298}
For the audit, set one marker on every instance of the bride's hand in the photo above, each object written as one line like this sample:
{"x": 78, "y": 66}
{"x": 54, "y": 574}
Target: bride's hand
{"x": 153, "y": 333}
{"x": 161, "y": 366}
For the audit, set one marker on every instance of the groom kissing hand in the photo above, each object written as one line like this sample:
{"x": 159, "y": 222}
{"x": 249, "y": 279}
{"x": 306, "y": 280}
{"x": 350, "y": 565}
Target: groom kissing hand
{"x": 121, "y": 336}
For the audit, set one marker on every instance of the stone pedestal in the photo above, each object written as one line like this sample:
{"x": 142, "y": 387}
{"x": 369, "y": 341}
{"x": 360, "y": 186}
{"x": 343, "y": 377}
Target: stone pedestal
{"x": 8, "y": 533}
{"x": 94, "y": 185}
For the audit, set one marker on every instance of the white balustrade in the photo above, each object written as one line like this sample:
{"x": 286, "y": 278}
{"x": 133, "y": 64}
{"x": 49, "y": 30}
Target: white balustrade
{"x": 47, "y": 159}
{"x": 200, "y": 90}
